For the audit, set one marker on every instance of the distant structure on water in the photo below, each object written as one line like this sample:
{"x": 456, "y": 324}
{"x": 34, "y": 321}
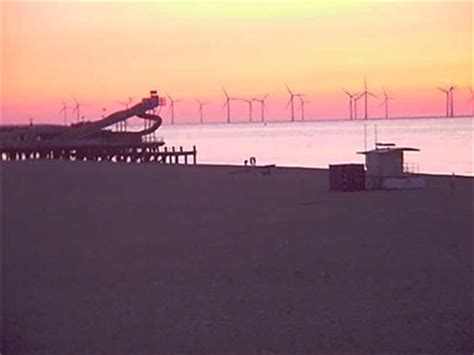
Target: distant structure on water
{"x": 291, "y": 102}
{"x": 263, "y": 106}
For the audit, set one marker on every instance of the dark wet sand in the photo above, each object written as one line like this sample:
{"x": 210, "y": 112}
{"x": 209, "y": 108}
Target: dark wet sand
{"x": 147, "y": 259}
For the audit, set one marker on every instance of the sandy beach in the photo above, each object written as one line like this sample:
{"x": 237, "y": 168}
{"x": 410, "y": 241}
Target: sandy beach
{"x": 103, "y": 258}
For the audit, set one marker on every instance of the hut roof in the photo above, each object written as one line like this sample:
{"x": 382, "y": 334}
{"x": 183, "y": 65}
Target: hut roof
{"x": 389, "y": 150}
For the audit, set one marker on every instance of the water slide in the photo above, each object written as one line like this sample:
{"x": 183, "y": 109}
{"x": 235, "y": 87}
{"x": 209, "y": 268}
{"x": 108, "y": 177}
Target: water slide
{"x": 86, "y": 129}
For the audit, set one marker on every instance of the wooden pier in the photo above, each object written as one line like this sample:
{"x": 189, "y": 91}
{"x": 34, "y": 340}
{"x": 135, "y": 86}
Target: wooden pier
{"x": 152, "y": 152}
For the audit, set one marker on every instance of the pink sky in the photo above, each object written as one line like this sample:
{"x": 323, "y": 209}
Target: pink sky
{"x": 102, "y": 53}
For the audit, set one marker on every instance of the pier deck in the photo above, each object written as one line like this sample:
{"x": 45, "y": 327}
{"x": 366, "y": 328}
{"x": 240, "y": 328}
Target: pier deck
{"x": 139, "y": 153}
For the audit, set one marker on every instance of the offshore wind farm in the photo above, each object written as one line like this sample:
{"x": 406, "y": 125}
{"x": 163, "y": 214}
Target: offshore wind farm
{"x": 296, "y": 110}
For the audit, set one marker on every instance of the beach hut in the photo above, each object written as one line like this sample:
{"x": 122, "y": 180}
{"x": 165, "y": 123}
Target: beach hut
{"x": 385, "y": 168}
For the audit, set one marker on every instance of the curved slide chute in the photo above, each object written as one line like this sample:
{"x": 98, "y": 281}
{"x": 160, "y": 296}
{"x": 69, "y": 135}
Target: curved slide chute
{"x": 147, "y": 116}
{"x": 86, "y": 129}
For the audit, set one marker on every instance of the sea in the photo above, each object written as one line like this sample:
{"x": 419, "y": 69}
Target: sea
{"x": 446, "y": 145}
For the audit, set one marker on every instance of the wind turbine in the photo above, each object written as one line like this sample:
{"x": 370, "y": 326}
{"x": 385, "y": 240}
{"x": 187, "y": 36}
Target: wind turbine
{"x": 357, "y": 98}
{"x": 123, "y": 124}
{"x": 228, "y": 99}
{"x": 249, "y": 102}
{"x": 291, "y": 102}
{"x": 172, "y": 101}
{"x": 448, "y": 94}
{"x": 385, "y": 101}
{"x": 201, "y": 104}
{"x": 352, "y": 98}
{"x": 77, "y": 110}
{"x": 263, "y": 107}
{"x": 302, "y": 102}
{"x": 64, "y": 112}
{"x": 451, "y": 93}
{"x": 127, "y": 103}
{"x": 365, "y": 94}
{"x": 471, "y": 100}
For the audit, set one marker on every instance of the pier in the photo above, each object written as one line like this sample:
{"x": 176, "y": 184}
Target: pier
{"x": 152, "y": 152}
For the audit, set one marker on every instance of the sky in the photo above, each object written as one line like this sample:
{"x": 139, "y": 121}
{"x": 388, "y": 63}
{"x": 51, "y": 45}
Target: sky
{"x": 101, "y": 53}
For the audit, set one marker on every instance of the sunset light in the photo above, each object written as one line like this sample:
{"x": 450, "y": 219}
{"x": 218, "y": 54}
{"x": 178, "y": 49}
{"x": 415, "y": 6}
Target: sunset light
{"x": 102, "y": 53}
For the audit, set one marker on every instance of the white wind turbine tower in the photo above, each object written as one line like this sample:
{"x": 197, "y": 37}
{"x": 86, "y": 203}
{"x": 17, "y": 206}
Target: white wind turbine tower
{"x": 385, "y": 101}
{"x": 122, "y": 125}
{"x": 249, "y": 102}
{"x": 77, "y": 110}
{"x": 64, "y": 112}
{"x": 451, "y": 94}
{"x": 357, "y": 98}
{"x": 365, "y": 94}
{"x": 302, "y": 103}
{"x": 172, "y": 102}
{"x": 291, "y": 102}
{"x": 200, "y": 110}
{"x": 448, "y": 100}
{"x": 352, "y": 103}
{"x": 263, "y": 107}
{"x": 228, "y": 99}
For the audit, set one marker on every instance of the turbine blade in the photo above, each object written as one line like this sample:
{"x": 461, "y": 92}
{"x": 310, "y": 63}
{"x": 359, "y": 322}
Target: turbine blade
{"x": 287, "y": 88}
{"x": 361, "y": 95}
{"x": 225, "y": 93}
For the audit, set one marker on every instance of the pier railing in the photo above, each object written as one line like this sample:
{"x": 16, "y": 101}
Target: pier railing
{"x": 411, "y": 168}
{"x": 150, "y": 152}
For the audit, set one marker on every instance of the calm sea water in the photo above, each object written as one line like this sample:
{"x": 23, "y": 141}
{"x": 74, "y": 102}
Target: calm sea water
{"x": 446, "y": 145}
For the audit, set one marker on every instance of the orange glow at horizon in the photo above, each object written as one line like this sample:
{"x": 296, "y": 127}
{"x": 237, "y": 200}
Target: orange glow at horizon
{"x": 102, "y": 53}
